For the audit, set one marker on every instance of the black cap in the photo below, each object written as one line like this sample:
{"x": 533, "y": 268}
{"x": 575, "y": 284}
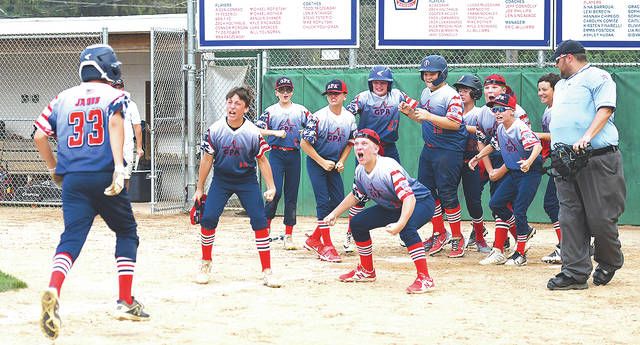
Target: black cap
{"x": 568, "y": 47}
{"x": 284, "y": 82}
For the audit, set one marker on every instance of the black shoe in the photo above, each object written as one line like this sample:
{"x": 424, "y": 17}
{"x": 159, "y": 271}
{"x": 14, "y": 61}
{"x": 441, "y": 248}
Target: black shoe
{"x": 563, "y": 282}
{"x": 602, "y": 276}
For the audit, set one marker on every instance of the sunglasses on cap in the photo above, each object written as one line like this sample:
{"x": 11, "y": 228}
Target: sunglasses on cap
{"x": 500, "y": 109}
{"x": 367, "y": 136}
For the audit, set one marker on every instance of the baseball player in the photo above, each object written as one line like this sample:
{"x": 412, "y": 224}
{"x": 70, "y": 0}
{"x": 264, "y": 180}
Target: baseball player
{"x": 520, "y": 149}
{"x": 132, "y": 126}
{"x": 327, "y": 140}
{"x": 378, "y": 110}
{"x": 403, "y": 206}
{"x": 470, "y": 89}
{"x": 233, "y": 146}
{"x": 546, "y": 84}
{"x": 282, "y": 123}
{"x": 441, "y": 160}
{"x": 88, "y": 122}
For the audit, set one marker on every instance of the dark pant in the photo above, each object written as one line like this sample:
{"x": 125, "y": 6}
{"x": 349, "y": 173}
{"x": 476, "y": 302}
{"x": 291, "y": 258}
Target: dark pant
{"x": 551, "y": 204}
{"x": 472, "y": 191}
{"x": 248, "y": 191}
{"x": 519, "y": 188}
{"x": 439, "y": 170}
{"x": 378, "y": 216}
{"x": 590, "y": 205}
{"x": 327, "y": 188}
{"x": 82, "y": 199}
{"x": 496, "y": 162}
{"x": 285, "y": 166}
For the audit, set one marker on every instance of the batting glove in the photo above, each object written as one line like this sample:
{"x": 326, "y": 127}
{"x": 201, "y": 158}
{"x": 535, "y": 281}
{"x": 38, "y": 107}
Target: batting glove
{"x": 117, "y": 183}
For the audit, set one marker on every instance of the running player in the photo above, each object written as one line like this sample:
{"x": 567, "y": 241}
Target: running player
{"x": 282, "y": 123}
{"x": 403, "y": 206}
{"x": 88, "y": 122}
{"x": 327, "y": 140}
{"x": 378, "y": 110}
{"x": 233, "y": 146}
{"x": 441, "y": 160}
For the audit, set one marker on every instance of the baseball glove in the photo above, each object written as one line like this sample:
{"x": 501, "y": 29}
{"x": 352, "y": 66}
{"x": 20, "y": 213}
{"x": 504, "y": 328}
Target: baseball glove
{"x": 197, "y": 210}
{"x": 566, "y": 162}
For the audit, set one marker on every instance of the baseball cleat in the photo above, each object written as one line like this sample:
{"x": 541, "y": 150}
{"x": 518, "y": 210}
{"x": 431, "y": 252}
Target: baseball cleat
{"x": 349, "y": 245}
{"x": 516, "y": 259}
{"x": 50, "y": 322}
{"x": 457, "y": 248}
{"x": 269, "y": 279}
{"x": 422, "y": 284}
{"x": 554, "y": 257}
{"x": 329, "y": 254}
{"x": 205, "y": 270}
{"x": 288, "y": 243}
{"x": 496, "y": 257}
{"x": 360, "y": 274}
{"x": 132, "y": 312}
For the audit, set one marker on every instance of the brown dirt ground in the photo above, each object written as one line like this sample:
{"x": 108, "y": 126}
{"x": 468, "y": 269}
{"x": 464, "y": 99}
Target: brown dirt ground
{"x": 470, "y": 305}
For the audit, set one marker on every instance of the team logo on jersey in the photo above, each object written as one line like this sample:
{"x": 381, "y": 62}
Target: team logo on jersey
{"x": 406, "y": 4}
{"x": 335, "y": 136}
{"x": 382, "y": 109}
{"x": 287, "y": 126}
{"x": 232, "y": 150}
{"x": 373, "y": 192}
{"x": 511, "y": 147}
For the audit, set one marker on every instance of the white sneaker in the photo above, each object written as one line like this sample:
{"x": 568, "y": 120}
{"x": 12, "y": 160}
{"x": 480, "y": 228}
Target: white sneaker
{"x": 516, "y": 260}
{"x": 205, "y": 270}
{"x": 349, "y": 244}
{"x": 554, "y": 258}
{"x": 134, "y": 311}
{"x": 270, "y": 280}
{"x": 496, "y": 257}
{"x": 288, "y": 243}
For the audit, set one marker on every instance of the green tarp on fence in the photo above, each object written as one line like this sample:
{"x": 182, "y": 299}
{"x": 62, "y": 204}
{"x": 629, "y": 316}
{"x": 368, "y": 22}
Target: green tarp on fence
{"x": 310, "y": 84}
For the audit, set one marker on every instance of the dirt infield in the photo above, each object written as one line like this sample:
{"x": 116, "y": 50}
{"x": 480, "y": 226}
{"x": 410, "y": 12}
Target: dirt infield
{"x": 472, "y": 304}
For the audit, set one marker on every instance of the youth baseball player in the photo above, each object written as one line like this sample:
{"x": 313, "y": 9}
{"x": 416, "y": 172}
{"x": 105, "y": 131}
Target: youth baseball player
{"x": 377, "y": 109}
{"x": 132, "y": 127}
{"x": 88, "y": 122}
{"x": 441, "y": 160}
{"x": 281, "y": 123}
{"x": 327, "y": 140}
{"x": 403, "y": 206}
{"x": 520, "y": 149}
{"x": 233, "y": 146}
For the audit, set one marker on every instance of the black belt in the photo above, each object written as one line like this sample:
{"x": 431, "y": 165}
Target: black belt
{"x": 604, "y": 150}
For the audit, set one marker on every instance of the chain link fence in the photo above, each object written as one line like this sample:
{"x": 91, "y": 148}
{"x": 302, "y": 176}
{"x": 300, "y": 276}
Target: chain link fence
{"x": 40, "y": 67}
{"x": 168, "y": 122}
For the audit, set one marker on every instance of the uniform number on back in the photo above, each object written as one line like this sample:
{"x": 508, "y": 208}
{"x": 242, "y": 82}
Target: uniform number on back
{"x": 95, "y": 136}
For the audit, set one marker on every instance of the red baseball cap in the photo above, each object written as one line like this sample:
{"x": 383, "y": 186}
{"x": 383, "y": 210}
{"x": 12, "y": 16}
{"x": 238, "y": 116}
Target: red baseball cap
{"x": 496, "y": 79}
{"x": 505, "y": 100}
{"x": 369, "y": 134}
{"x": 335, "y": 86}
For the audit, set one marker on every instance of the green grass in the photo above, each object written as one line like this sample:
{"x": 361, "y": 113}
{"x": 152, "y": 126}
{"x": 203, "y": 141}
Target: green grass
{"x": 9, "y": 282}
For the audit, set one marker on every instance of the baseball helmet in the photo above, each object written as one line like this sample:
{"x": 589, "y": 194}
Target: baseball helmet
{"x": 197, "y": 210}
{"x": 99, "y": 62}
{"x": 381, "y": 73}
{"x": 472, "y": 82}
{"x": 434, "y": 63}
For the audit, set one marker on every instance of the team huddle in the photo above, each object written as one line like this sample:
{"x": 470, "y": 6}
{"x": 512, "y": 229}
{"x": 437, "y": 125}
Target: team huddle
{"x": 463, "y": 144}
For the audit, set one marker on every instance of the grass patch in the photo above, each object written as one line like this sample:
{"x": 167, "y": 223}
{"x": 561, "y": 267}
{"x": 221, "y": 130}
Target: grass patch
{"x": 9, "y": 282}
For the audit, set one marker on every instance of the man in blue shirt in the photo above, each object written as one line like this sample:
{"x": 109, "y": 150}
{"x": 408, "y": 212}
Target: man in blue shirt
{"x": 591, "y": 201}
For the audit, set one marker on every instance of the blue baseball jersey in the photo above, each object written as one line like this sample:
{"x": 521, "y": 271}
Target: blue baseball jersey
{"x": 329, "y": 133}
{"x": 388, "y": 184}
{"x": 380, "y": 114}
{"x": 516, "y": 143}
{"x": 576, "y": 101}
{"x": 234, "y": 151}
{"x": 79, "y": 118}
{"x": 445, "y": 102}
{"x": 486, "y": 127}
{"x": 471, "y": 119}
{"x": 291, "y": 120}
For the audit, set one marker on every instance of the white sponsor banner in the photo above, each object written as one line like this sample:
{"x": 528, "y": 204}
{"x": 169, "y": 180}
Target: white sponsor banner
{"x": 242, "y": 24}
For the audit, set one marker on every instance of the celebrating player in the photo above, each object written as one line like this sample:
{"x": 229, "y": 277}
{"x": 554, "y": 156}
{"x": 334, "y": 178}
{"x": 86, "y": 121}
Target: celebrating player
{"x": 327, "y": 140}
{"x": 520, "y": 149}
{"x": 441, "y": 160}
{"x": 282, "y": 123}
{"x": 403, "y": 206}
{"x": 132, "y": 127}
{"x": 233, "y": 146}
{"x": 378, "y": 110}
{"x": 88, "y": 121}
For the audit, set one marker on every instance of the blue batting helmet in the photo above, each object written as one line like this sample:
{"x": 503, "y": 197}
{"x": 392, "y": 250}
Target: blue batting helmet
{"x": 434, "y": 63}
{"x": 381, "y": 73}
{"x": 99, "y": 62}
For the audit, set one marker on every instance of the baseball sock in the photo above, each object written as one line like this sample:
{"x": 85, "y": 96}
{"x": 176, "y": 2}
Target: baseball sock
{"x": 478, "y": 229}
{"x": 501, "y": 234}
{"x": 366, "y": 254}
{"x": 288, "y": 229}
{"x": 419, "y": 257}
{"x": 436, "y": 220}
{"x": 521, "y": 242}
{"x": 325, "y": 230}
{"x": 62, "y": 263}
{"x": 207, "y": 237}
{"x": 125, "y": 266}
{"x": 453, "y": 217}
{"x": 353, "y": 211}
{"x": 512, "y": 227}
{"x": 263, "y": 244}
{"x": 316, "y": 233}
{"x": 556, "y": 227}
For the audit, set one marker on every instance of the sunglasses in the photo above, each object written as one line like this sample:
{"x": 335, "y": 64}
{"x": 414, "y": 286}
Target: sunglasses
{"x": 500, "y": 109}
{"x": 365, "y": 135}
{"x": 285, "y": 90}
{"x": 560, "y": 57}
